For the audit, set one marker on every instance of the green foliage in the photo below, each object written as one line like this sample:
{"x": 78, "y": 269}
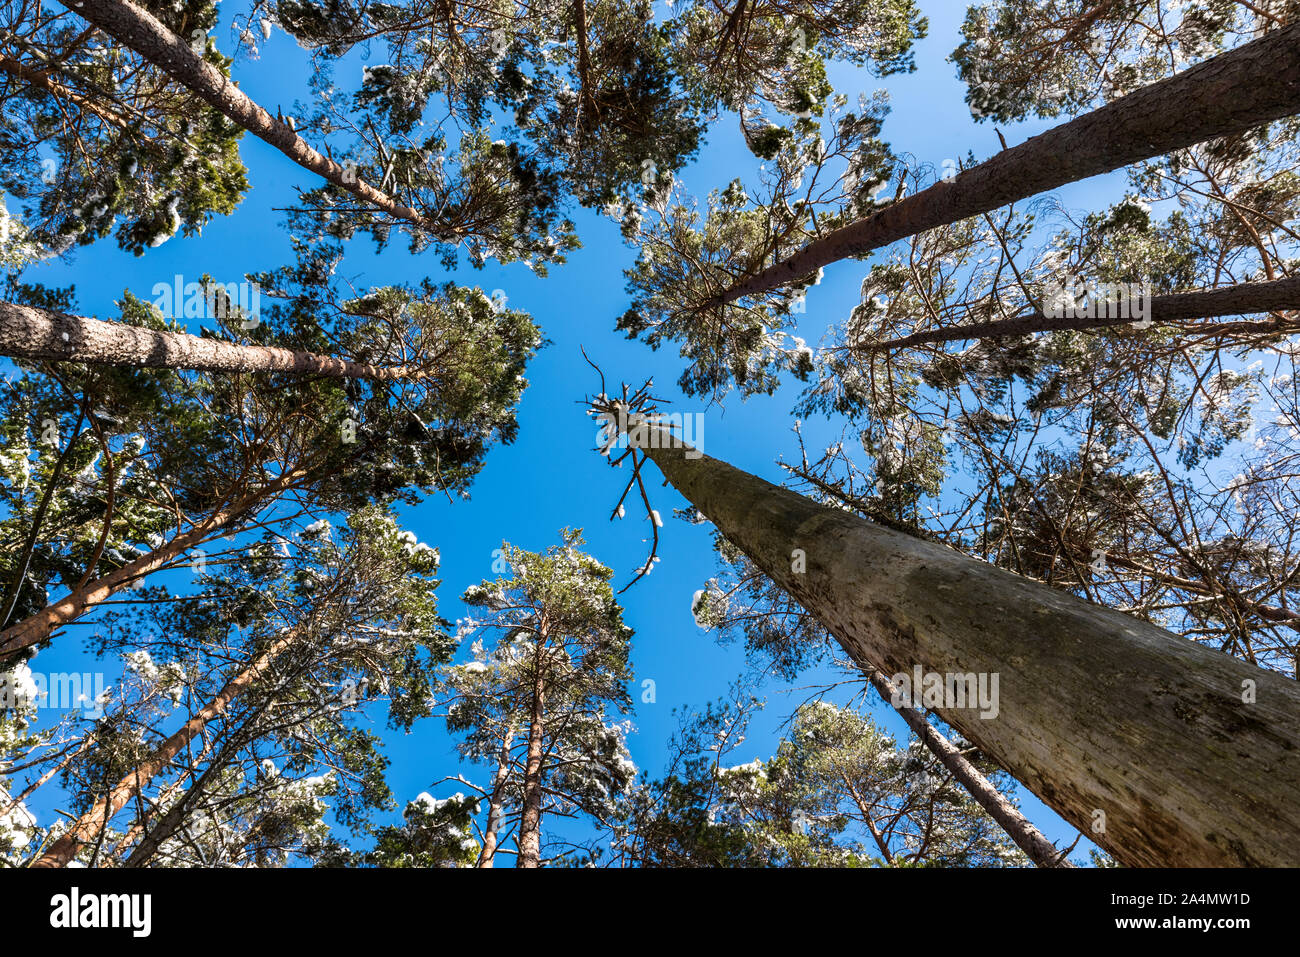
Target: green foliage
{"x": 1022, "y": 58}
{"x": 556, "y": 673}
{"x": 687, "y": 258}
{"x": 434, "y": 834}
{"x": 104, "y": 139}
{"x": 837, "y": 793}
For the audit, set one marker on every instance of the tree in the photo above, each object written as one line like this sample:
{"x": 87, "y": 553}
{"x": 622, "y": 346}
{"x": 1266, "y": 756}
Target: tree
{"x": 95, "y": 135}
{"x": 775, "y": 51}
{"x": 896, "y": 603}
{"x": 434, "y": 833}
{"x": 536, "y": 704}
{"x": 31, "y": 333}
{"x": 782, "y": 638}
{"x": 608, "y": 98}
{"x": 685, "y": 261}
{"x": 500, "y": 202}
{"x": 93, "y": 821}
{"x": 1278, "y": 296}
{"x": 1078, "y": 54}
{"x": 316, "y": 635}
{"x": 1225, "y": 95}
{"x": 1111, "y": 460}
{"x": 838, "y": 792}
{"x": 355, "y": 445}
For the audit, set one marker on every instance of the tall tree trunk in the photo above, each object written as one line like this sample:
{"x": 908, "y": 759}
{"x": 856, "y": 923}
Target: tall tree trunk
{"x": 1162, "y": 751}
{"x": 530, "y": 821}
{"x": 589, "y": 116}
{"x": 41, "y": 625}
{"x": 496, "y": 802}
{"x": 1243, "y": 299}
{"x": 24, "y": 558}
{"x": 1253, "y": 84}
{"x": 87, "y": 827}
{"x": 30, "y": 333}
{"x": 1027, "y": 837}
{"x": 141, "y": 31}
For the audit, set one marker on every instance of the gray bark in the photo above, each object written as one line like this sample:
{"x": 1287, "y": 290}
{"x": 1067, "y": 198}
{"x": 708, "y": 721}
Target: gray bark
{"x": 1253, "y": 84}
{"x": 1017, "y": 827}
{"x": 1099, "y": 713}
{"x": 27, "y": 332}
{"x": 1243, "y": 299}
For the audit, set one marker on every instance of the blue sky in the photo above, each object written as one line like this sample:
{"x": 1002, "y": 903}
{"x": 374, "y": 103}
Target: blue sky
{"x": 550, "y": 477}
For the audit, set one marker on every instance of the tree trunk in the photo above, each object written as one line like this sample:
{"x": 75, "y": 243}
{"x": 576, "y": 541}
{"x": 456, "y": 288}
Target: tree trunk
{"x": 41, "y": 625}
{"x": 1139, "y": 738}
{"x": 530, "y": 822}
{"x": 30, "y": 333}
{"x": 588, "y": 118}
{"x": 496, "y": 801}
{"x": 87, "y": 827}
{"x": 8, "y": 803}
{"x": 145, "y": 34}
{"x": 1027, "y": 837}
{"x": 1243, "y": 299}
{"x": 1253, "y": 84}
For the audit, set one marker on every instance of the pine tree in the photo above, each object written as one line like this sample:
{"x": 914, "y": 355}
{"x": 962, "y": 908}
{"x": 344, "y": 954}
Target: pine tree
{"x": 896, "y": 602}
{"x": 500, "y": 201}
{"x": 1083, "y": 54}
{"x": 97, "y": 136}
{"x": 348, "y": 618}
{"x": 539, "y": 703}
{"x": 360, "y": 441}
{"x": 692, "y": 282}
{"x": 837, "y": 792}
{"x": 951, "y": 435}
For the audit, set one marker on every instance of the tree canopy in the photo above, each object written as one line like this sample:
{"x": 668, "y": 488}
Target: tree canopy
{"x": 1028, "y": 413}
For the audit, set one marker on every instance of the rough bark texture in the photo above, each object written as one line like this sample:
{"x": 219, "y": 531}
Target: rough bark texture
{"x": 496, "y": 802}
{"x": 38, "y": 627}
{"x": 1098, "y": 711}
{"x": 27, "y": 332}
{"x": 530, "y": 821}
{"x": 1027, "y": 837}
{"x": 87, "y": 827}
{"x": 142, "y": 32}
{"x": 1253, "y": 84}
{"x": 1243, "y": 299}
